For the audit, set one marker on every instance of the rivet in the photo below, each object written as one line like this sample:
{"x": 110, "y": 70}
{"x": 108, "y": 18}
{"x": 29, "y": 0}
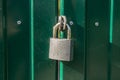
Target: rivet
{"x": 71, "y": 23}
{"x": 19, "y": 22}
{"x": 97, "y": 24}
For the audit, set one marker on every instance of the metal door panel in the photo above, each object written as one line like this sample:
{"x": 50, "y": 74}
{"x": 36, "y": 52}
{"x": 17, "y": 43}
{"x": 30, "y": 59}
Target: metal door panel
{"x": 115, "y": 56}
{"x": 44, "y": 20}
{"x": 17, "y": 25}
{"x": 75, "y": 12}
{"x": 97, "y": 39}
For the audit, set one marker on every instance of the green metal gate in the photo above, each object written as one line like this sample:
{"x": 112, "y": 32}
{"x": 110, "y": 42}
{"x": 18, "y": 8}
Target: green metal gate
{"x": 26, "y": 27}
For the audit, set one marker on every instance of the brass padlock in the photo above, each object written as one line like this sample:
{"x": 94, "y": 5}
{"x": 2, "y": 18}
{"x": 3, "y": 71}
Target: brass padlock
{"x": 61, "y": 49}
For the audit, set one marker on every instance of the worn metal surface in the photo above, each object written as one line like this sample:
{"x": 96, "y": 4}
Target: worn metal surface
{"x": 75, "y": 13}
{"x": 17, "y": 24}
{"x": 61, "y": 49}
{"x": 1, "y": 43}
{"x": 44, "y": 20}
{"x": 115, "y": 56}
{"x": 97, "y": 39}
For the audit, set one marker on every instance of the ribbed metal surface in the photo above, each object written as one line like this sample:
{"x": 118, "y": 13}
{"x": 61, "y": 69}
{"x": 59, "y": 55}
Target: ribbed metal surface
{"x": 97, "y": 41}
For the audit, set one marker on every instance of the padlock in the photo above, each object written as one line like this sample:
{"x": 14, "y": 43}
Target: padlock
{"x": 61, "y": 49}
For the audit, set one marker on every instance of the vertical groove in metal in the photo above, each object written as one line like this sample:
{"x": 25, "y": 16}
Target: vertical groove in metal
{"x": 4, "y": 27}
{"x": 32, "y": 37}
{"x": 85, "y": 43}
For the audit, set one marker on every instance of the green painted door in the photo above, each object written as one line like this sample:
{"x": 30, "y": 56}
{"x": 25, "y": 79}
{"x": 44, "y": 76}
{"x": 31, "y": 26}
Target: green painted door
{"x": 26, "y": 28}
{"x": 75, "y": 13}
{"x": 115, "y": 45}
{"x": 17, "y": 40}
{"x": 44, "y": 68}
{"x": 97, "y": 39}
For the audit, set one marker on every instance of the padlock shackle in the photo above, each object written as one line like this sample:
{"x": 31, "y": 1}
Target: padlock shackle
{"x": 68, "y": 32}
{"x": 63, "y": 19}
{"x": 55, "y": 30}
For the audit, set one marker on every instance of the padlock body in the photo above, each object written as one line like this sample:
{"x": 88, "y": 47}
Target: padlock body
{"x": 61, "y": 49}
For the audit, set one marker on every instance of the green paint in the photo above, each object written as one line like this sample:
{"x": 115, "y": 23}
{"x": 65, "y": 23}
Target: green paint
{"x": 110, "y": 38}
{"x": 61, "y": 36}
{"x": 61, "y": 7}
{"x": 61, "y": 63}
{"x": 32, "y": 39}
{"x": 111, "y": 20}
{"x": 61, "y": 70}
